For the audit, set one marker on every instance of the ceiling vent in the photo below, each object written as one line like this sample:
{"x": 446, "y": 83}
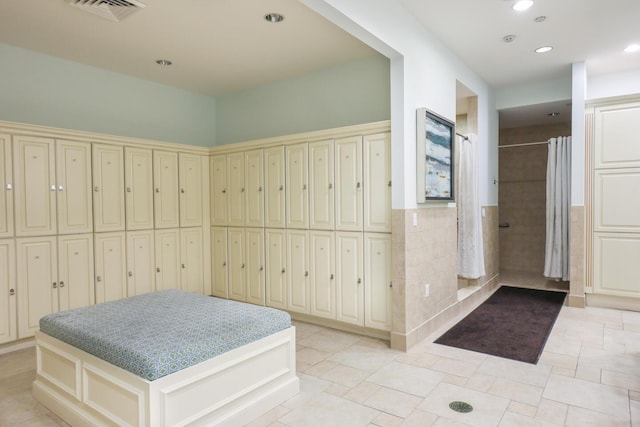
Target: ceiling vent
{"x": 113, "y": 10}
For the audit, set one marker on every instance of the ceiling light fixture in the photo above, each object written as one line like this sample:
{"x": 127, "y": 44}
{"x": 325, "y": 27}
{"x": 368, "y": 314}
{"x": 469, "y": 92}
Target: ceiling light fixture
{"x": 164, "y": 62}
{"x": 522, "y": 5}
{"x": 544, "y": 49}
{"x": 632, "y": 48}
{"x": 554, "y": 114}
{"x": 274, "y": 18}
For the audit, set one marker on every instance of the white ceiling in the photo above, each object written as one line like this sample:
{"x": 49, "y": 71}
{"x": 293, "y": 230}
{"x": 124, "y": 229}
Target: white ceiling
{"x": 223, "y": 46}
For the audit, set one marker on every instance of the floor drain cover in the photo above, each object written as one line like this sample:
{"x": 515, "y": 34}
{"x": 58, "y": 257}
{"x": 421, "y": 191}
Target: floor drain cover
{"x": 463, "y": 407}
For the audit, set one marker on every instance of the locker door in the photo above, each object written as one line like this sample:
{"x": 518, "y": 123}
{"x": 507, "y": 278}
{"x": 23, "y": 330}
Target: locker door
{"x": 255, "y": 276}
{"x": 298, "y": 271}
{"x": 348, "y": 158}
{"x": 276, "y": 265}
{"x": 190, "y": 179}
{"x": 219, "y": 268}
{"x": 321, "y": 201}
{"x": 74, "y": 200}
{"x": 237, "y": 281}
{"x": 35, "y": 189}
{"x": 274, "y": 187}
{"x": 377, "y": 273}
{"x": 219, "y": 190}
{"x": 110, "y": 266}
{"x": 377, "y": 182}
{"x": 37, "y": 285}
{"x": 138, "y": 163}
{"x": 254, "y": 181}
{"x": 75, "y": 271}
{"x": 108, "y": 188}
{"x": 235, "y": 169}
{"x": 166, "y": 193}
{"x": 141, "y": 273}
{"x": 192, "y": 262}
{"x": 167, "y": 242}
{"x": 6, "y": 187}
{"x": 297, "y": 194}
{"x": 8, "y": 301}
{"x": 323, "y": 289}
{"x": 349, "y": 278}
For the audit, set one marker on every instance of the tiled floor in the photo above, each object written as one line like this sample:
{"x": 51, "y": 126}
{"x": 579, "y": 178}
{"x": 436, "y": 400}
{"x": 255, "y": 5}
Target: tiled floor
{"x": 588, "y": 375}
{"x": 526, "y": 279}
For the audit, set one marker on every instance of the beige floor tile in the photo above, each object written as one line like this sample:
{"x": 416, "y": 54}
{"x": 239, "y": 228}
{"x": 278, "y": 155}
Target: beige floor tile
{"x": 562, "y": 344}
{"x": 420, "y": 418}
{"x": 387, "y": 420}
{"x": 454, "y": 366}
{"x": 611, "y": 361}
{"x": 518, "y": 371}
{"x": 512, "y": 390}
{"x": 270, "y": 417}
{"x": 407, "y": 378}
{"x": 328, "y": 410}
{"x": 393, "y": 402}
{"x": 336, "y": 389}
{"x": 552, "y": 412}
{"x": 423, "y": 360}
{"x": 556, "y": 360}
{"x": 455, "y": 353}
{"x": 329, "y": 340}
{"x": 522, "y": 409}
{"x": 311, "y": 356}
{"x": 635, "y": 412}
{"x": 588, "y": 372}
{"x": 480, "y": 382}
{"x": 511, "y": 419}
{"x": 634, "y": 395}
{"x": 362, "y": 392}
{"x": 364, "y": 357}
{"x": 309, "y": 388}
{"x": 345, "y": 375}
{"x": 581, "y": 417}
{"x": 622, "y": 380}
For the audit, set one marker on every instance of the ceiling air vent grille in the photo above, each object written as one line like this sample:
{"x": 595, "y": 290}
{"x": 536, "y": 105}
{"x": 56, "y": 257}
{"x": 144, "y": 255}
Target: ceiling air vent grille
{"x": 114, "y": 10}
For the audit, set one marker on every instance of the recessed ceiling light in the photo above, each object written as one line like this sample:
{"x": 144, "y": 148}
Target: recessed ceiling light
{"x": 632, "y": 48}
{"x": 164, "y": 62}
{"x": 522, "y": 5}
{"x": 544, "y": 49}
{"x": 274, "y": 18}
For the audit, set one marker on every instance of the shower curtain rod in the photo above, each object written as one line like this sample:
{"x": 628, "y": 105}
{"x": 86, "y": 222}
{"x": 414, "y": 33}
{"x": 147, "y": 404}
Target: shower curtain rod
{"x": 523, "y": 145}
{"x": 466, "y": 138}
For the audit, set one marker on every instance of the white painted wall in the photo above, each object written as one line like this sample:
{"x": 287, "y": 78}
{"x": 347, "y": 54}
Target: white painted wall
{"x": 533, "y": 94}
{"x": 614, "y": 84}
{"x": 579, "y": 91}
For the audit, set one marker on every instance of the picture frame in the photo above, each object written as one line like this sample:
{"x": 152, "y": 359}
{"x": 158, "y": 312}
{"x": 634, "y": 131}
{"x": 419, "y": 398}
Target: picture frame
{"x": 435, "y": 139}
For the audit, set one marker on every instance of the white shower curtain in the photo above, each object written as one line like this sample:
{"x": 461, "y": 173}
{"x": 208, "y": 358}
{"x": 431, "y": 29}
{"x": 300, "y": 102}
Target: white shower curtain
{"x": 556, "y": 259}
{"x": 470, "y": 247}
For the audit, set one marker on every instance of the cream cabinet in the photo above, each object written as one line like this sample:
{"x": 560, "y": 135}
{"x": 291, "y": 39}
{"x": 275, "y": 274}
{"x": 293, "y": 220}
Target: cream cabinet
{"x": 321, "y": 186}
{"x": 219, "y": 193}
{"x": 73, "y": 178}
{"x": 349, "y": 278}
{"x": 254, "y": 193}
{"x": 254, "y": 270}
{"x": 35, "y": 186}
{"x": 297, "y": 192}
{"x": 141, "y": 266}
{"x": 192, "y": 260}
{"x": 8, "y": 299}
{"x": 166, "y": 209}
{"x": 298, "y": 295}
{"x": 348, "y": 170}
{"x": 108, "y": 188}
{"x": 377, "y": 182}
{"x": 322, "y": 274}
{"x": 167, "y": 258}
{"x": 274, "y": 183}
{"x": 75, "y": 271}
{"x": 190, "y": 172}
{"x": 219, "y": 269}
{"x": 6, "y": 187}
{"x": 236, "y": 197}
{"x": 110, "y": 266}
{"x": 276, "y": 268}
{"x": 236, "y": 253}
{"x": 377, "y": 273}
{"x": 138, "y": 180}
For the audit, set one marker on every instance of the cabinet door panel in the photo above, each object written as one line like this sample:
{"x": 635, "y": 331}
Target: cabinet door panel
{"x": 192, "y": 262}
{"x": 276, "y": 265}
{"x": 322, "y": 266}
{"x": 35, "y": 190}
{"x": 219, "y": 190}
{"x": 254, "y": 181}
{"x": 348, "y": 158}
{"x": 8, "y": 299}
{"x": 140, "y": 263}
{"x": 75, "y": 271}
{"x": 110, "y": 266}
{"x": 255, "y": 275}
{"x": 298, "y": 271}
{"x": 297, "y": 194}
{"x": 219, "y": 269}
{"x": 235, "y": 168}
{"x": 190, "y": 170}
{"x": 349, "y": 278}
{"x": 377, "y": 273}
{"x": 274, "y": 182}
{"x": 167, "y": 242}
{"x": 237, "y": 281}
{"x": 165, "y": 179}
{"x": 6, "y": 187}
{"x": 37, "y": 285}
{"x": 108, "y": 188}
{"x": 377, "y": 182}
{"x": 73, "y": 170}
{"x": 321, "y": 202}
{"x": 138, "y": 164}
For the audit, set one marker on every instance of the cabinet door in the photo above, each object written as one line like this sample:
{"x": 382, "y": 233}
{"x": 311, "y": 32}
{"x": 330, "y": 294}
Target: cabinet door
{"x": 254, "y": 181}
{"x": 37, "y": 284}
{"x": 108, "y": 188}
{"x": 8, "y": 299}
{"x": 138, "y": 180}
{"x": 190, "y": 178}
{"x": 219, "y": 189}
{"x": 110, "y": 266}
{"x": 377, "y": 273}
{"x": 73, "y": 176}
{"x": 235, "y": 169}
{"x": 297, "y": 194}
{"x": 237, "y": 280}
{"x": 165, "y": 179}
{"x": 298, "y": 271}
{"x": 321, "y": 201}
{"x": 276, "y": 265}
{"x": 274, "y": 187}
{"x": 219, "y": 270}
{"x": 322, "y": 272}
{"x": 35, "y": 189}
{"x": 349, "y": 278}
{"x": 167, "y": 242}
{"x": 192, "y": 262}
{"x": 141, "y": 275}
{"x": 75, "y": 271}
{"x": 377, "y": 182}
{"x": 255, "y": 275}
{"x": 348, "y": 158}
{"x": 6, "y": 187}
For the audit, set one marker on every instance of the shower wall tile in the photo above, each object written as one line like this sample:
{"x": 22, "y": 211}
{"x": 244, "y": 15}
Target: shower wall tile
{"x": 577, "y": 257}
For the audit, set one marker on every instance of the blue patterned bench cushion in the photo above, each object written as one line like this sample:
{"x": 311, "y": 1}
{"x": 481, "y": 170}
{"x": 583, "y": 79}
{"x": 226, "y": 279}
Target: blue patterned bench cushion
{"x": 156, "y": 334}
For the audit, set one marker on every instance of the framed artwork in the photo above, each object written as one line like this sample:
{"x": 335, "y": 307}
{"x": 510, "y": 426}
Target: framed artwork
{"x": 435, "y": 157}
